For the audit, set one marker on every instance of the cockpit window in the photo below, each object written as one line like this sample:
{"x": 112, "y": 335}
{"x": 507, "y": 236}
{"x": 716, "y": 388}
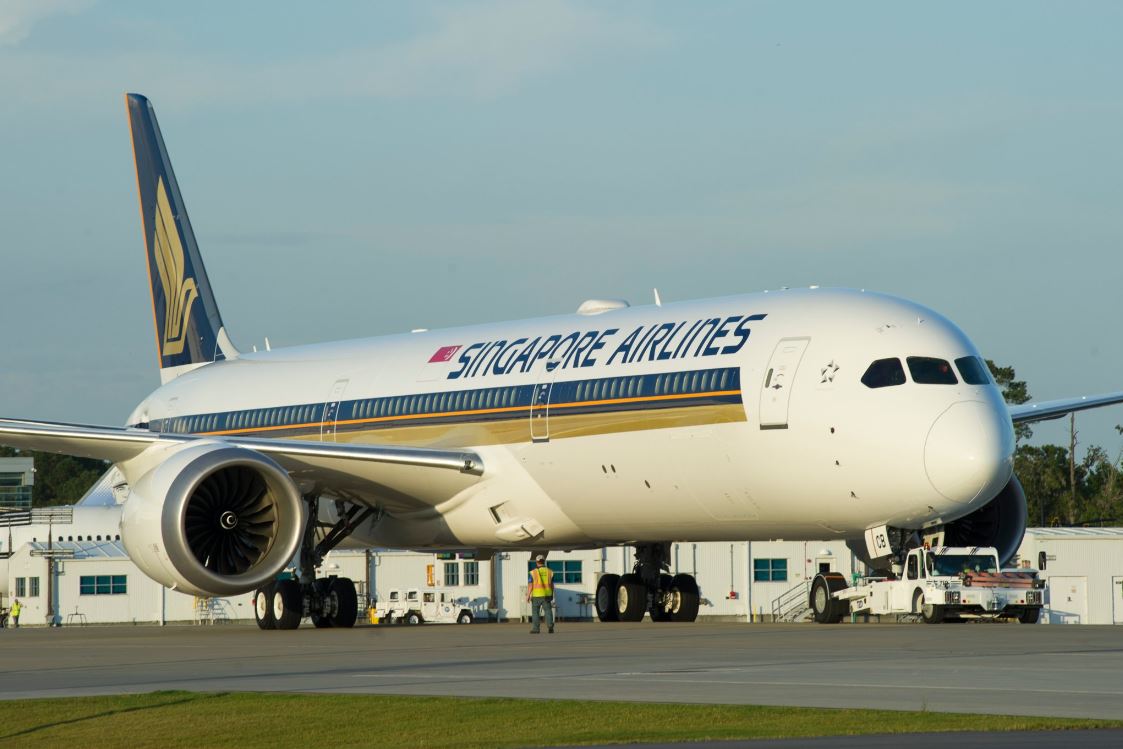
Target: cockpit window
{"x": 928, "y": 371}
{"x": 884, "y": 373}
{"x": 973, "y": 370}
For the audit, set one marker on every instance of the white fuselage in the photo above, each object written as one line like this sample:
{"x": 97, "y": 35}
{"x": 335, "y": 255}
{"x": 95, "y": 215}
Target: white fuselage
{"x": 590, "y": 440}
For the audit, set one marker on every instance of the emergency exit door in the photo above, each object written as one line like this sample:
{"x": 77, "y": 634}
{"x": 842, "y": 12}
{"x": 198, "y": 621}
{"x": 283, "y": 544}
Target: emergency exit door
{"x": 331, "y": 411}
{"x": 540, "y": 404}
{"x": 779, "y": 377}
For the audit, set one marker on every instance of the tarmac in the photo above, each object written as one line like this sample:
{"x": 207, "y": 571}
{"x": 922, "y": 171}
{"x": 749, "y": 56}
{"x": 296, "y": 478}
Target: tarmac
{"x": 1073, "y": 671}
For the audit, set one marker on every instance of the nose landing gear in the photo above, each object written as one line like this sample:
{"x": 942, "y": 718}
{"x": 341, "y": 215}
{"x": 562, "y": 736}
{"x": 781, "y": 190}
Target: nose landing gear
{"x": 648, "y": 588}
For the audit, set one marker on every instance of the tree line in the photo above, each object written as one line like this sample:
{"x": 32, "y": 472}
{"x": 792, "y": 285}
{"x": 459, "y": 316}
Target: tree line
{"x": 1060, "y": 489}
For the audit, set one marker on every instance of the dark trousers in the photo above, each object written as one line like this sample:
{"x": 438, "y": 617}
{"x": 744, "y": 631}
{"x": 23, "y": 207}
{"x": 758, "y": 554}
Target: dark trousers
{"x": 537, "y": 607}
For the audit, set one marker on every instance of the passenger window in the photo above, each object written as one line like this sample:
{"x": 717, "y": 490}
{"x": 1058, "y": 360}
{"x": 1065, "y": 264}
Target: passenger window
{"x": 926, "y": 370}
{"x": 884, "y": 373}
{"x": 973, "y": 370}
{"x": 913, "y": 572}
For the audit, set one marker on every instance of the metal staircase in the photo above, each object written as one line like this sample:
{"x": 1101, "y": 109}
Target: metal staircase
{"x": 792, "y": 605}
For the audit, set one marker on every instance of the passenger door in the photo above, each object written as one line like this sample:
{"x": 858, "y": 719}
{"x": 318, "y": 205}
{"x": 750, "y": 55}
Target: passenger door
{"x": 775, "y": 392}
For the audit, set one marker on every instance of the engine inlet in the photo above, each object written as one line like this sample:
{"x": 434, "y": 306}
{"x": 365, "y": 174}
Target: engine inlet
{"x": 230, "y": 520}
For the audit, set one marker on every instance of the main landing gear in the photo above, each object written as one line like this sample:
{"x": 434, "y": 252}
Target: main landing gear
{"x": 648, "y": 589}
{"x": 328, "y": 601}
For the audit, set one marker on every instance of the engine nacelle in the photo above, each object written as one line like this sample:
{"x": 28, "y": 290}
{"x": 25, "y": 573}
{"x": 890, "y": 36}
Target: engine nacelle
{"x": 1000, "y": 523}
{"x": 213, "y": 519}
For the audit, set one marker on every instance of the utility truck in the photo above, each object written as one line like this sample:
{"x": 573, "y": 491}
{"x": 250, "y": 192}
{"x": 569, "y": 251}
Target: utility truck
{"x": 945, "y": 583}
{"x": 415, "y": 606}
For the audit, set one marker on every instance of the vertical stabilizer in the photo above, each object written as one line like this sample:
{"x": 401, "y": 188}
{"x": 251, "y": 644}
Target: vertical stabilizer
{"x": 189, "y": 330}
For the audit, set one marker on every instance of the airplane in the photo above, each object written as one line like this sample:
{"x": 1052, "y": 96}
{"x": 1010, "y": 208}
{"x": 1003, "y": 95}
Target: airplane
{"x": 798, "y": 414}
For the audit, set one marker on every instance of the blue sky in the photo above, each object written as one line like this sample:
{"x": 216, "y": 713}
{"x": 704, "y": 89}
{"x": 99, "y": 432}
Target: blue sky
{"x": 362, "y": 168}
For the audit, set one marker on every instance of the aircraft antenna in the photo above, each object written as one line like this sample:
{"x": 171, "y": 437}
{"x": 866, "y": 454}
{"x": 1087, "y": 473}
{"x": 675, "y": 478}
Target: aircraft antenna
{"x": 658, "y": 300}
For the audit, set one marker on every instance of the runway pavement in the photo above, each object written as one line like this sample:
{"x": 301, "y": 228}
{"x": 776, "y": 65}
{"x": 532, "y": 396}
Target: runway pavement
{"x": 985, "y": 668}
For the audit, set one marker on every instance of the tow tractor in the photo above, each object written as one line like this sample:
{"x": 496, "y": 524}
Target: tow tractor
{"x": 417, "y": 607}
{"x": 945, "y": 583}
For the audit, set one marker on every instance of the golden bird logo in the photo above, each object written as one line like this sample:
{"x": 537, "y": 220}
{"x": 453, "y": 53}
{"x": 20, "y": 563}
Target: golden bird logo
{"x": 179, "y": 292}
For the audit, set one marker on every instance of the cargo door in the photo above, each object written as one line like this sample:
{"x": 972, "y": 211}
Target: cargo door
{"x": 779, "y": 377}
{"x": 331, "y": 411}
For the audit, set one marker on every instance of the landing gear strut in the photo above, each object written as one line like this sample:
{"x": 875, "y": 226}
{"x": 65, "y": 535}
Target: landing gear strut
{"x": 329, "y": 601}
{"x": 648, "y": 588}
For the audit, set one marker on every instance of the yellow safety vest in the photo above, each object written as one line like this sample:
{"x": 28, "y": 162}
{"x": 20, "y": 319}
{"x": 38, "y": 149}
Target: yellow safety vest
{"x": 541, "y": 582}
{"x": 15, "y": 609}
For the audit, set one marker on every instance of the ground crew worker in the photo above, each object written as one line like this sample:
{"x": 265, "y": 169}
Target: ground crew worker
{"x": 540, "y": 593}
{"x": 15, "y": 613}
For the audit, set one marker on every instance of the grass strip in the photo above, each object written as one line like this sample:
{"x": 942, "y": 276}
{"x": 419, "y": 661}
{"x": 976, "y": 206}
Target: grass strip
{"x": 247, "y": 720}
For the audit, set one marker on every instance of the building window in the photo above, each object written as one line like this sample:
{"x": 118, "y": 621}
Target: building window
{"x": 565, "y": 571}
{"x": 471, "y": 573}
{"x": 452, "y": 573}
{"x": 21, "y": 587}
{"x": 770, "y": 570}
{"x": 33, "y": 587}
{"x": 102, "y": 585}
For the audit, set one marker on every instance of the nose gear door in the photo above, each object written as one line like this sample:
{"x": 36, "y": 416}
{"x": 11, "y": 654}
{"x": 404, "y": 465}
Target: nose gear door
{"x": 779, "y": 378}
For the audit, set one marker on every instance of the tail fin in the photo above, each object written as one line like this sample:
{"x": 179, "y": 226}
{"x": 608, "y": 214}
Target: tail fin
{"x": 189, "y": 330}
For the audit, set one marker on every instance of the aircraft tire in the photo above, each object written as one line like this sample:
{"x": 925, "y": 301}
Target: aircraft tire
{"x": 319, "y": 619}
{"x": 631, "y": 598}
{"x": 346, "y": 602}
{"x": 263, "y": 607}
{"x": 660, "y": 612}
{"x": 606, "y": 598}
{"x": 288, "y": 604}
{"x": 1030, "y": 615}
{"x": 684, "y": 598}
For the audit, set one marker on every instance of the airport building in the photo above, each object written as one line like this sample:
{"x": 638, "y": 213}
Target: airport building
{"x": 72, "y": 569}
{"x": 1084, "y": 569}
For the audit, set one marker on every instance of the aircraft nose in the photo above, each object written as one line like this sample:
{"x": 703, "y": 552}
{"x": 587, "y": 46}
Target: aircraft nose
{"x": 969, "y": 451}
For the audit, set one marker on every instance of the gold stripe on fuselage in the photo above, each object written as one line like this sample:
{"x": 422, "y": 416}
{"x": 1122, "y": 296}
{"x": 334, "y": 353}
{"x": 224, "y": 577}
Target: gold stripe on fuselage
{"x": 560, "y": 426}
{"x": 562, "y": 423}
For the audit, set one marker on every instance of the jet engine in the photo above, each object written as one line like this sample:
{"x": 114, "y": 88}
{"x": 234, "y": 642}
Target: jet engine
{"x": 1000, "y": 523}
{"x": 213, "y": 519}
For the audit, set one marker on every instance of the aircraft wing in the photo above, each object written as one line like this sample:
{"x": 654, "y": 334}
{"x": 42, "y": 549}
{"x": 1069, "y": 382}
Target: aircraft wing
{"x": 1029, "y": 412}
{"x": 399, "y": 478}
